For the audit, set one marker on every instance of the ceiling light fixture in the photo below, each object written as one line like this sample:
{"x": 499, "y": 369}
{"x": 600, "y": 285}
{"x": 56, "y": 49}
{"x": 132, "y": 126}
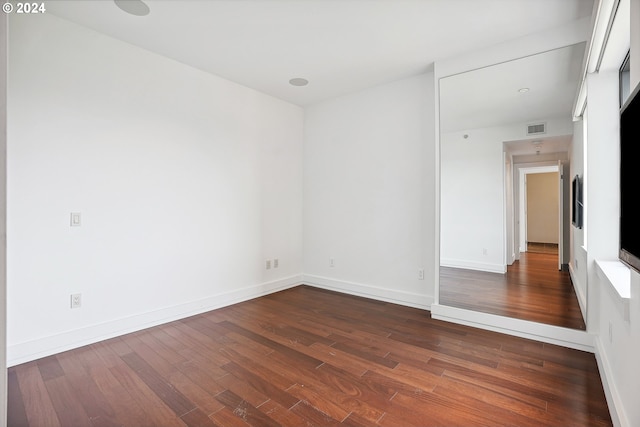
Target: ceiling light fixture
{"x": 298, "y": 81}
{"x": 133, "y": 7}
{"x": 523, "y": 90}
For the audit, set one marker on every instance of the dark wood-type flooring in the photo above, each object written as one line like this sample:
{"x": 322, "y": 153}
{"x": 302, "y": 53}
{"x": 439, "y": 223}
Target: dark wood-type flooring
{"x": 532, "y": 289}
{"x": 309, "y": 357}
{"x": 545, "y": 248}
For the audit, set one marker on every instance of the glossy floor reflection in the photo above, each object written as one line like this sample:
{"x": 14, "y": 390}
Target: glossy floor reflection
{"x": 532, "y": 289}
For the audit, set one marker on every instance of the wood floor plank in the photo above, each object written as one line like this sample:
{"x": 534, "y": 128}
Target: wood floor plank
{"x": 107, "y": 356}
{"x": 450, "y": 412}
{"x": 240, "y": 388}
{"x": 205, "y": 401}
{"x": 313, "y": 416}
{"x": 86, "y": 391}
{"x": 253, "y": 365}
{"x": 226, "y": 418}
{"x": 325, "y": 403}
{"x": 261, "y": 385}
{"x": 196, "y": 352}
{"x": 532, "y": 289}
{"x": 346, "y": 389}
{"x": 311, "y": 357}
{"x": 197, "y": 418}
{"x": 49, "y": 368}
{"x": 68, "y": 409}
{"x": 297, "y": 356}
{"x": 481, "y": 401}
{"x": 365, "y": 354}
{"x": 159, "y": 357}
{"x": 126, "y": 409}
{"x": 37, "y": 402}
{"x": 244, "y": 410}
{"x": 156, "y": 411}
{"x": 283, "y": 416}
{"x": 175, "y": 400}
{"x": 353, "y": 386}
{"x": 16, "y": 413}
{"x": 490, "y": 377}
{"x": 200, "y": 377}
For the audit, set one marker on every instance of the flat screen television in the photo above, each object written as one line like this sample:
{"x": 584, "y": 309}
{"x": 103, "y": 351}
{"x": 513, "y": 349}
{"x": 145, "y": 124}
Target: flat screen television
{"x": 577, "y": 205}
{"x": 630, "y": 181}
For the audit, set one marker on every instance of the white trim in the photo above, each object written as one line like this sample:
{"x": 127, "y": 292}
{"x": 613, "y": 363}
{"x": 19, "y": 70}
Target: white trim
{"x": 472, "y": 265}
{"x": 617, "y": 276}
{"x": 605, "y": 12}
{"x": 409, "y": 299}
{"x": 616, "y": 406}
{"x": 582, "y": 298}
{"x": 52, "y": 344}
{"x": 525, "y": 169}
{"x": 572, "y": 338}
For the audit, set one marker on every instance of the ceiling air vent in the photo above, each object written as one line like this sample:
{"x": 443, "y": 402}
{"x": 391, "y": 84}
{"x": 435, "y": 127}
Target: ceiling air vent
{"x": 536, "y": 129}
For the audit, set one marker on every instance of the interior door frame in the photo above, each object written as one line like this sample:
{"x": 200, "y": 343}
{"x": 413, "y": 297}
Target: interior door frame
{"x": 522, "y": 211}
{"x": 560, "y": 214}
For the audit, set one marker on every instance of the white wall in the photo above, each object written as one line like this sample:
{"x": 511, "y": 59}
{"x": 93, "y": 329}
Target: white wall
{"x": 510, "y": 244}
{"x": 578, "y": 253}
{"x": 613, "y": 318}
{"x": 186, "y": 183}
{"x": 618, "y": 353}
{"x": 472, "y": 194}
{"x": 369, "y": 191}
{"x": 543, "y": 206}
{"x": 3, "y": 222}
{"x": 472, "y": 200}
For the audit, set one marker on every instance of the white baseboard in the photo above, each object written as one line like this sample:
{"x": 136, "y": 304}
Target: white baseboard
{"x": 616, "y": 408}
{"x": 472, "y": 265}
{"x": 582, "y": 298}
{"x": 46, "y": 346}
{"x": 572, "y": 338}
{"x": 382, "y": 294}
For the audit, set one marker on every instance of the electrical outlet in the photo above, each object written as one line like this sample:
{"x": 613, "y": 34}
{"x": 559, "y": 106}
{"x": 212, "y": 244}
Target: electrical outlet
{"x": 331, "y": 262}
{"x": 76, "y": 219}
{"x": 421, "y": 274}
{"x": 276, "y": 263}
{"x": 484, "y": 251}
{"x": 268, "y": 264}
{"x": 76, "y": 300}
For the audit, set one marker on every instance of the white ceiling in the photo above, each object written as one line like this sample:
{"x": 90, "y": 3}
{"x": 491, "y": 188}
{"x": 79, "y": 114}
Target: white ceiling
{"x": 340, "y": 46}
{"x": 490, "y": 96}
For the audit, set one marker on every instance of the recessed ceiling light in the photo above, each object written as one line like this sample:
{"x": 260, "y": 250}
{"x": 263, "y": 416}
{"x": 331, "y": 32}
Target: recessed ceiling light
{"x": 523, "y": 90}
{"x": 133, "y": 7}
{"x": 298, "y": 82}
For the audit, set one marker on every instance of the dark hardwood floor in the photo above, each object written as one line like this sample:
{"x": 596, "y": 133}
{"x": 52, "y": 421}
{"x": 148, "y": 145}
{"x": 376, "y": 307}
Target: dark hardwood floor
{"x": 545, "y": 248}
{"x": 532, "y": 289}
{"x": 309, "y": 357}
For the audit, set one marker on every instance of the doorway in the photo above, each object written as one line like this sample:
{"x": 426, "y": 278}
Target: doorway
{"x": 542, "y": 213}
